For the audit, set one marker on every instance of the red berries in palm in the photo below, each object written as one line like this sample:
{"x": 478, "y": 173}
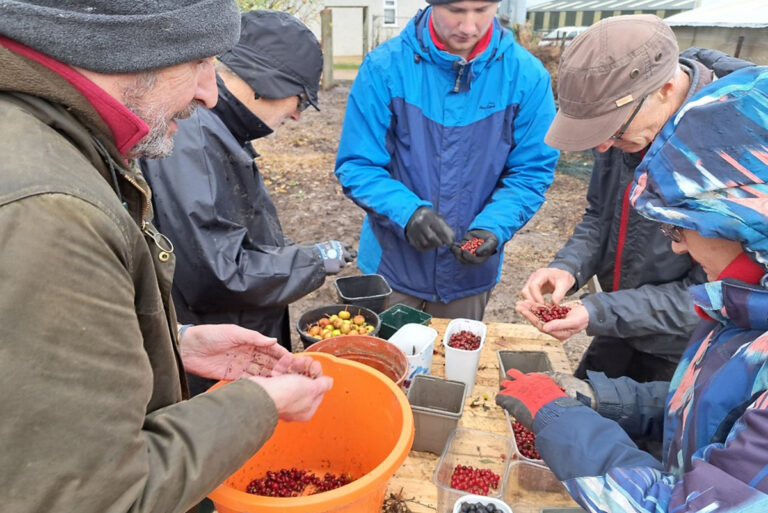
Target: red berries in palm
{"x": 550, "y": 312}
{"x": 472, "y": 244}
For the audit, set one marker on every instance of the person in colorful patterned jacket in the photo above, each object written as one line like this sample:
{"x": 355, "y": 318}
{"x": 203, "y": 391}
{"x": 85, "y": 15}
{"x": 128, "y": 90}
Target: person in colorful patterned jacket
{"x": 443, "y": 142}
{"x": 618, "y": 84}
{"x": 704, "y": 178}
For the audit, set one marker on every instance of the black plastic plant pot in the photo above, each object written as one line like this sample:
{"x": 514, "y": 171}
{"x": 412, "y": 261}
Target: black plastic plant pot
{"x": 369, "y": 290}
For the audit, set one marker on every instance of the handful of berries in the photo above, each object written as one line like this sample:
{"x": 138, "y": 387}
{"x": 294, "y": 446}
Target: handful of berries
{"x": 465, "y": 340}
{"x": 550, "y": 312}
{"x": 472, "y": 244}
{"x": 474, "y": 480}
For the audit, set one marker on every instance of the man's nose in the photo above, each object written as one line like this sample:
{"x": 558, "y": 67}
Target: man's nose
{"x": 603, "y": 147}
{"x": 207, "y": 92}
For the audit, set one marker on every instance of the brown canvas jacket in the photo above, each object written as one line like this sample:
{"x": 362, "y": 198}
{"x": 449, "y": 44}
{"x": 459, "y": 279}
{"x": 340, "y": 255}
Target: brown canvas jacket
{"x": 92, "y": 412}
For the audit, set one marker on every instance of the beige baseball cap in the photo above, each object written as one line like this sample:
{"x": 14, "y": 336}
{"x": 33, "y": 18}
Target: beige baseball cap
{"x": 604, "y": 73}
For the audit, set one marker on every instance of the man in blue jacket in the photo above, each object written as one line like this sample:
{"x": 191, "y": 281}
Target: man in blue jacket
{"x": 443, "y": 143}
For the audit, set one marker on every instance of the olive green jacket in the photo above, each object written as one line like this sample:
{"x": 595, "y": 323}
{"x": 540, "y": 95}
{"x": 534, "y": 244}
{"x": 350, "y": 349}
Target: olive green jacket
{"x": 92, "y": 416}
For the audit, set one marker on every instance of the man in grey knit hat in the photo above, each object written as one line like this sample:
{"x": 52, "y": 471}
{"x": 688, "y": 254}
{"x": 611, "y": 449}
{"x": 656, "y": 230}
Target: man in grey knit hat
{"x": 94, "y": 412}
{"x": 234, "y": 264}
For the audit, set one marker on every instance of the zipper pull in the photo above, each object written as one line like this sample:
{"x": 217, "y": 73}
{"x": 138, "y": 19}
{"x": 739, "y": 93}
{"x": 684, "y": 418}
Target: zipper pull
{"x": 162, "y": 242}
{"x": 458, "y": 78}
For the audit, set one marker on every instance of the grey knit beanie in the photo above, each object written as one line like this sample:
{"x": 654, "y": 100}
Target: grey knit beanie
{"x": 122, "y": 36}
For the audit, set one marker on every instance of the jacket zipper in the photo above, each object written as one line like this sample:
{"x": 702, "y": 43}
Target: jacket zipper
{"x": 458, "y": 77}
{"x": 162, "y": 242}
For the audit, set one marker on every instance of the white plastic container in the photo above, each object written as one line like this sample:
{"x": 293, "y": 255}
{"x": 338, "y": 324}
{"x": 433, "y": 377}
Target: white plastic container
{"x": 418, "y": 343}
{"x": 485, "y": 501}
{"x": 461, "y": 365}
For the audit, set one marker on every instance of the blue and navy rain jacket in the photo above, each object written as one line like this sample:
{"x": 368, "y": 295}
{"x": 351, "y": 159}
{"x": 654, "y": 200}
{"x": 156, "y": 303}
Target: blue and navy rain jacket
{"x": 715, "y": 426}
{"x": 706, "y": 171}
{"x": 426, "y": 128}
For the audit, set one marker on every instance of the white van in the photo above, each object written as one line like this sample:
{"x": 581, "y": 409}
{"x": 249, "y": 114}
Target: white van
{"x": 561, "y": 35}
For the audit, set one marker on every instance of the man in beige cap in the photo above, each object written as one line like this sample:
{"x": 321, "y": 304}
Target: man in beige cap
{"x": 619, "y": 83}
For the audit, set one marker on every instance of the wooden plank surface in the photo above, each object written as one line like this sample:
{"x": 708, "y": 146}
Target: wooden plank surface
{"x": 413, "y": 481}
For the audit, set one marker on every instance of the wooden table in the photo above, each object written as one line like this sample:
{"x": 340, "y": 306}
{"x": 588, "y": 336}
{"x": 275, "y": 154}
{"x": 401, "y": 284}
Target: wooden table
{"x": 413, "y": 481}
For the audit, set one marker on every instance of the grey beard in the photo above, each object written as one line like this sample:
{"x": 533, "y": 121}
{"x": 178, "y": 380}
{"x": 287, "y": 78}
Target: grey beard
{"x": 157, "y": 143}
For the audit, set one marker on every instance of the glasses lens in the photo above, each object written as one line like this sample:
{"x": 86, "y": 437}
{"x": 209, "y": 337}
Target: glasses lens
{"x": 672, "y": 232}
{"x": 303, "y": 103}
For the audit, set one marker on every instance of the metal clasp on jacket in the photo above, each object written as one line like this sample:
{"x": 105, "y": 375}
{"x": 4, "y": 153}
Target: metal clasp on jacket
{"x": 162, "y": 242}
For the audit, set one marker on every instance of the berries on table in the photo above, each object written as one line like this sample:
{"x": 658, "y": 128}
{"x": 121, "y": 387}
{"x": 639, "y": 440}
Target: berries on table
{"x": 478, "y": 481}
{"x": 465, "y": 340}
{"x": 550, "y": 312}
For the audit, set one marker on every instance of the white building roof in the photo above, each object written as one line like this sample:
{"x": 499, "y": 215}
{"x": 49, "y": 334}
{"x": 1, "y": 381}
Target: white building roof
{"x": 727, "y": 13}
{"x": 612, "y": 5}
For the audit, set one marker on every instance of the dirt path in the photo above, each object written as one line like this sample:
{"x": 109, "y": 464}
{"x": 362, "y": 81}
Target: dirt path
{"x": 298, "y": 166}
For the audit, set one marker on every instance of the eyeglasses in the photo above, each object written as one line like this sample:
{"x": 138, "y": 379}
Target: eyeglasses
{"x": 617, "y": 135}
{"x": 303, "y": 103}
{"x": 672, "y": 232}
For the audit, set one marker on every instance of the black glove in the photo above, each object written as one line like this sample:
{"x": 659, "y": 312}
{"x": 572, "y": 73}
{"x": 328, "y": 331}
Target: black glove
{"x": 482, "y": 252}
{"x": 427, "y": 230}
{"x": 335, "y": 255}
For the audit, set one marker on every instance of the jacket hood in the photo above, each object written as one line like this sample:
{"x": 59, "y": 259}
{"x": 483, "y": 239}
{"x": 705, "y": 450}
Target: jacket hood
{"x": 416, "y": 35}
{"x": 713, "y": 179}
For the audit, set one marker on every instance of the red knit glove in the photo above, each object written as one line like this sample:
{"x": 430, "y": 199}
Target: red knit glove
{"x": 525, "y": 394}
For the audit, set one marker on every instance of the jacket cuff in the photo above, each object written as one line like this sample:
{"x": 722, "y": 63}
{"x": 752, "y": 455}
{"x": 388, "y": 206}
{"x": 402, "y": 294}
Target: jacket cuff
{"x": 551, "y": 411}
{"x": 596, "y": 313}
{"x": 609, "y": 403}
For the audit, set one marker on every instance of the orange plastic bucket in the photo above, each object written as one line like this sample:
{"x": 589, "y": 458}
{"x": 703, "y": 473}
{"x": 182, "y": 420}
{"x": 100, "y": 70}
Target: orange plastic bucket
{"x": 363, "y": 427}
{"x": 375, "y": 352}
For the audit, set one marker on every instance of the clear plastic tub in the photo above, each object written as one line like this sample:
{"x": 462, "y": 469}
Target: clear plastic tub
{"x": 460, "y": 364}
{"x": 530, "y": 487}
{"x": 478, "y": 449}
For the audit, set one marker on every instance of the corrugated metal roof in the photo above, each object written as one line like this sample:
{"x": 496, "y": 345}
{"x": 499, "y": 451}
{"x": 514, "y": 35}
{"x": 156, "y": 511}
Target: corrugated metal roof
{"x": 614, "y": 5}
{"x": 731, "y": 13}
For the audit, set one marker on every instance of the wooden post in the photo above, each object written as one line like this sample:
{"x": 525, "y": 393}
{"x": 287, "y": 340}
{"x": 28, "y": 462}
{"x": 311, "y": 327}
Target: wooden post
{"x": 326, "y": 34}
{"x": 366, "y": 46}
{"x": 738, "y": 46}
